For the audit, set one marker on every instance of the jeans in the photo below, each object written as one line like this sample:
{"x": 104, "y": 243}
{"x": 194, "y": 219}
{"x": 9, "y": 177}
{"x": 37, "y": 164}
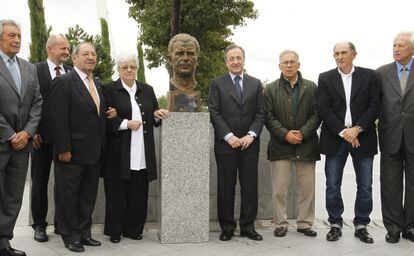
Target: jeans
{"x": 334, "y": 167}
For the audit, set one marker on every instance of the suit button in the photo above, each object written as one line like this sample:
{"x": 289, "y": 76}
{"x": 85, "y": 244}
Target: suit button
{"x": 297, "y": 156}
{"x": 140, "y": 104}
{"x": 145, "y": 131}
{"x": 403, "y": 113}
{"x": 144, "y": 122}
{"x": 136, "y": 97}
{"x": 142, "y": 113}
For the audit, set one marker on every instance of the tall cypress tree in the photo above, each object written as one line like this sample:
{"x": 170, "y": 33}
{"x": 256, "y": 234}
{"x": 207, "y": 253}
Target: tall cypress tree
{"x": 38, "y": 31}
{"x": 141, "y": 67}
{"x": 105, "y": 35}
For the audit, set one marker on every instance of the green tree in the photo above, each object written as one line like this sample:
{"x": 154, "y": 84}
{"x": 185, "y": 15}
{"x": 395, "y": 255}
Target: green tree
{"x": 141, "y": 67}
{"x": 208, "y": 21}
{"x": 38, "y": 31}
{"x": 105, "y": 64}
{"x": 105, "y": 35}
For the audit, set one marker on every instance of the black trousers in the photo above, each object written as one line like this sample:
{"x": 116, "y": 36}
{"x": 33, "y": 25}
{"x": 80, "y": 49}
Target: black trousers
{"x": 397, "y": 210}
{"x": 227, "y": 166}
{"x": 40, "y": 170}
{"x": 13, "y": 171}
{"x": 126, "y": 204}
{"x": 75, "y": 195}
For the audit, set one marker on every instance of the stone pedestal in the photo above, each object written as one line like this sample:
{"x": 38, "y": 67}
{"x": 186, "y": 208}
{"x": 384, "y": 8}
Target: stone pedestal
{"x": 184, "y": 178}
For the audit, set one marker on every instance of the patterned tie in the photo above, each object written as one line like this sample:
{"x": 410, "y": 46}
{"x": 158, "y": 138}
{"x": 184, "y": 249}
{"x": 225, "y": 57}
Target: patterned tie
{"x": 403, "y": 79}
{"x": 238, "y": 87}
{"x": 14, "y": 74}
{"x": 57, "y": 69}
{"x": 93, "y": 92}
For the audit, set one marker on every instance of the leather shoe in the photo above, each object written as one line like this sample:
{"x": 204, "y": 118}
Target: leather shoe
{"x": 56, "y": 231}
{"x": 9, "y": 251}
{"x": 40, "y": 234}
{"x": 252, "y": 235}
{"x": 307, "y": 231}
{"x": 75, "y": 246}
{"x": 409, "y": 234}
{"x": 90, "y": 242}
{"x": 226, "y": 235}
{"x": 280, "y": 232}
{"x": 334, "y": 234}
{"x": 134, "y": 237}
{"x": 392, "y": 237}
{"x": 115, "y": 239}
{"x": 364, "y": 236}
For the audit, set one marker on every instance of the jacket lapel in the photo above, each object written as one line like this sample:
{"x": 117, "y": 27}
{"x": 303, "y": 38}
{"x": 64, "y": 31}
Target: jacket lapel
{"x": 410, "y": 81}
{"x": 4, "y": 71}
{"x": 24, "y": 72}
{"x": 356, "y": 83}
{"x": 83, "y": 91}
{"x": 338, "y": 84}
{"x": 231, "y": 88}
{"x": 246, "y": 88}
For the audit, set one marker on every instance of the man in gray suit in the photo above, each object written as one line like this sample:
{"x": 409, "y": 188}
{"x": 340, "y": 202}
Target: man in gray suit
{"x": 237, "y": 114}
{"x": 396, "y": 125}
{"x": 20, "y": 111}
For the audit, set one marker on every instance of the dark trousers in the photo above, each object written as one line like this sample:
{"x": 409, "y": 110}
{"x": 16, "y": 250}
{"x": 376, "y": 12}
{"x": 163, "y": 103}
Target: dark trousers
{"x": 227, "y": 166}
{"x": 13, "y": 170}
{"x": 334, "y": 168}
{"x": 40, "y": 170}
{"x": 75, "y": 195}
{"x": 397, "y": 196}
{"x": 126, "y": 204}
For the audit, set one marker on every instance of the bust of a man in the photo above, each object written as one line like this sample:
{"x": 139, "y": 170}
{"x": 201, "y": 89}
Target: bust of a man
{"x": 183, "y": 51}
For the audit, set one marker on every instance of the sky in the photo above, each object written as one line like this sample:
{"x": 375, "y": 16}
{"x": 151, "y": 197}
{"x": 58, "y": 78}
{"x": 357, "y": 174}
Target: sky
{"x": 310, "y": 27}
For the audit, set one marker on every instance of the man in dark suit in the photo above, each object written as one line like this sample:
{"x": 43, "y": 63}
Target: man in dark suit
{"x": 77, "y": 116}
{"x": 237, "y": 114}
{"x": 348, "y": 105}
{"x": 396, "y": 125}
{"x": 57, "y": 48}
{"x": 20, "y": 111}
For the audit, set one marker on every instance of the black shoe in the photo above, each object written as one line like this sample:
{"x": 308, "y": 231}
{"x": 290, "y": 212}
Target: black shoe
{"x": 334, "y": 234}
{"x": 364, "y": 236}
{"x": 90, "y": 242}
{"x": 307, "y": 231}
{"x": 392, "y": 237}
{"x": 252, "y": 234}
{"x": 9, "y": 251}
{"x": 75, "y": 247}
{"x": 409, "y": 234}
{"x": 56, "y": 231}
{"x": 280, "y": 232}
{"x": 115, "y": 239}
{"x": 226, "y": 235}
{"x": 40, "y": 234}
{"x": 134, "y": 236}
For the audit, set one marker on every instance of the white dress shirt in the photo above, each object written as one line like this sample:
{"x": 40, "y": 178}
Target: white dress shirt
{"x": 137, "y": 152}
{"x": 347, "y": 81}
{"x": 85, "y": 81}
{"x": 52, "y": 68}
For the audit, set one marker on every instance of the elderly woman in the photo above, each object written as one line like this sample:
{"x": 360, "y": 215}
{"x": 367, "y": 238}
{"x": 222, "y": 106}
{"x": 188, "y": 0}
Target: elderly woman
{"x": 130, "y": 160}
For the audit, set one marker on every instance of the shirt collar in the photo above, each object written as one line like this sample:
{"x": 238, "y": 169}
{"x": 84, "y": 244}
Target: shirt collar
{"x": 400, "y": 66}
{"x": 82, "y": 74}
{"x": 234, "y": 76}
{"x": 7, "y": 57}
{"x": 349, "y": 74}
{"x": 131, "y": 89}
{"x": 53, "y": 65}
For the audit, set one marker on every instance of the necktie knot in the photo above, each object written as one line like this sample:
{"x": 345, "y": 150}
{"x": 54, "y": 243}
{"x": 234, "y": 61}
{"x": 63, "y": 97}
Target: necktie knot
{"x": 57, "y": 69}
{"x": 11, "y": 61}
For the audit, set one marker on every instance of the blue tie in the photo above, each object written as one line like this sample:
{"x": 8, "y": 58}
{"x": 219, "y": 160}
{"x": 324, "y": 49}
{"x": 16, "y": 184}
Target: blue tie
{"x": 238, "y": 87}
{"x": 14, "y": 74}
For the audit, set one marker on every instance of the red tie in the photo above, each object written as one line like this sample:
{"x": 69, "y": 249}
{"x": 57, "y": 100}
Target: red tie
{"x": 57, "y": 68}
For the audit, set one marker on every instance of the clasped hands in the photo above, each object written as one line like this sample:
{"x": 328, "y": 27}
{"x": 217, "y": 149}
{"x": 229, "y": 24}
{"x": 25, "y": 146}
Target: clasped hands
{"x": 243, "y": 142}
{"x": 160, "y": 113}
{"x": 19, "y": 140}
{"x": 350, "y": 135}
{"x": 294, "y": 137}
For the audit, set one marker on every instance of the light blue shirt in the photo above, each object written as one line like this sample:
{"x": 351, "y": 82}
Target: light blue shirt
{"x": 7, "y": 63}
{"x": 400, "y": 68}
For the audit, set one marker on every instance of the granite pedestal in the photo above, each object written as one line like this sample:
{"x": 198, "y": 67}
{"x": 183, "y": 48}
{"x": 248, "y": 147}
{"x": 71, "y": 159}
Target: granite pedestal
{"x": 184, "y": 178}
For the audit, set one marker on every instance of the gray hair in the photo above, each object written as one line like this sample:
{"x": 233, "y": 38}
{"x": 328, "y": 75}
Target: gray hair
{"x": 231, "y": 47}
{"x": 350, "y": 44}
{"x": 7, "y": 22}
{"x": 125, "y": 56}
{"x": 287, "y": 51}
{"x": 53, "y": 39}
{"x": 410, "y": 35}
{"x": 76, "y": 49}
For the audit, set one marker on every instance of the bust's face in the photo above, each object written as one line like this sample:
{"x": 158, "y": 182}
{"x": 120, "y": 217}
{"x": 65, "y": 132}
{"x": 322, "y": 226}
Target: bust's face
{"x": 184, "y": 59}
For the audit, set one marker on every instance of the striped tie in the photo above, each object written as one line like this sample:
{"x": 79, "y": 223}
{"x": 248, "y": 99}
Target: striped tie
{"x": 403, "y": 79}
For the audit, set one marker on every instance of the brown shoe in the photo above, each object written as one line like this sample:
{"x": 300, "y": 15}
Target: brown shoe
{"x": 280, "y": 232}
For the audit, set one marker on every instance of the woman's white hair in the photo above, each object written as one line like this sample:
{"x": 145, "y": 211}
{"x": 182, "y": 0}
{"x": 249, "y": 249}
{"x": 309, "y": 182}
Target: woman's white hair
{"x": 125, "y": 56}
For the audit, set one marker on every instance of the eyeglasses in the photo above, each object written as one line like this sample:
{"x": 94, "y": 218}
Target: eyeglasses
{"x": 291, "y": 62}
{"x": 233, "y": 59}
{"x": 125, "y": 68}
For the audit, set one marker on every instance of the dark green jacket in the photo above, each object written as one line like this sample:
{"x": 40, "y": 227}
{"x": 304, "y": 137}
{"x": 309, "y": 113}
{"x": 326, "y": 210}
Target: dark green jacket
{"x": 280, "y": 119}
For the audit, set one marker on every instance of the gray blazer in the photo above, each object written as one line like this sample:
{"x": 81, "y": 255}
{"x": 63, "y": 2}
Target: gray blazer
{"x": 22, "y": 111}
{"x": 397, "y": 112}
